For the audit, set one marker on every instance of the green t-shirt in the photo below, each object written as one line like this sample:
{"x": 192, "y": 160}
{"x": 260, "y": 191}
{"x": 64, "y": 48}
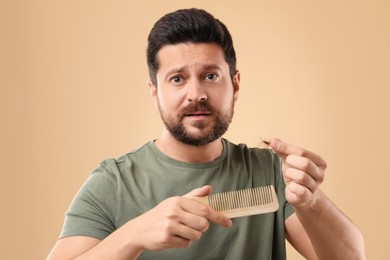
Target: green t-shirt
{"x": 122, "y": 189}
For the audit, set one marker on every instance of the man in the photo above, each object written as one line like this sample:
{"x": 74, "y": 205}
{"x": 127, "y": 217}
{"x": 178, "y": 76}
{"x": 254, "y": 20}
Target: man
{"x": 134, "y": 207}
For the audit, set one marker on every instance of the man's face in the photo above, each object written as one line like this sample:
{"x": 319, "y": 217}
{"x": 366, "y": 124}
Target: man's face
{"x": 194, "y": 93}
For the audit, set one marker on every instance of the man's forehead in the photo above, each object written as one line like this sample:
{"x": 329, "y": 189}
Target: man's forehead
{"x": 182, "y": 56}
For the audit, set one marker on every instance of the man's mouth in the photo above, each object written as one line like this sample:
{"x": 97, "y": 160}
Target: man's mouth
{"x": 198, "y": 114}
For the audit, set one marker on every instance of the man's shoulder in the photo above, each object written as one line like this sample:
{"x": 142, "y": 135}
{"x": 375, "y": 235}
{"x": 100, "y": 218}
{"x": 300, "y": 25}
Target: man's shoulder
{"x": 114, "y": 166}
{"x": 140, "y": 151}
{"x": 246, "y": 150}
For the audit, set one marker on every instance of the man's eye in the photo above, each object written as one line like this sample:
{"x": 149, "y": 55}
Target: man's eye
{"x": 176, "y": 79}
{"x": 211, "y": 76}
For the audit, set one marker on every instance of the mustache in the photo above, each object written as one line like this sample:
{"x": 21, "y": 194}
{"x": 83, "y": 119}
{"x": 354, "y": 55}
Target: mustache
{"x": 196, "y": 107}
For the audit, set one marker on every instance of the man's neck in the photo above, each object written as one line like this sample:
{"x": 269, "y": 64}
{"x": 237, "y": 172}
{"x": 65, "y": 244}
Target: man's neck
{"x": 177, "y": 150}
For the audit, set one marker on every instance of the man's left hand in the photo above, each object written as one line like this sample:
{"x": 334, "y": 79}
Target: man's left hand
{"x": 303, "y": 172}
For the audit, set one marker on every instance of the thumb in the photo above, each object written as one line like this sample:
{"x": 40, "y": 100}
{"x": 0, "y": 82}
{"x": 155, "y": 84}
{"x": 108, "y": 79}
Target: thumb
{"x": 199, "y": 192}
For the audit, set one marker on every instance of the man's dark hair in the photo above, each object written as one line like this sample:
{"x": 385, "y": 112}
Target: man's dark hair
{"x": 188, "y": 26}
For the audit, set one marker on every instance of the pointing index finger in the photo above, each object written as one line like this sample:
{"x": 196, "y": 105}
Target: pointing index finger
{"x": 202, "y": 209}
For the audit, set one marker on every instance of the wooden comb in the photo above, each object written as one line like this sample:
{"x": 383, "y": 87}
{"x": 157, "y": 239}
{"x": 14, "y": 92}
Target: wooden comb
{"x": 241, "y": 203}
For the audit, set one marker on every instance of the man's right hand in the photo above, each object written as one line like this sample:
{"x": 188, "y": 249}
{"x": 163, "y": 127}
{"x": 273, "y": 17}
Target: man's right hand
{"x": 176, "y": 221}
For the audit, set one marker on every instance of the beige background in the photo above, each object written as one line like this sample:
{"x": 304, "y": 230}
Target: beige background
{"x": 73, "y": 92}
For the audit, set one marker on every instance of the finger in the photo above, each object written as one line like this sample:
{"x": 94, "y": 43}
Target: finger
{"x": 219, "y": 218}
{"x": 305, "y": 165}
{"x": 283, "y": 150}
{"x": 187, "y": 232}
{"x": 302, "y": 178}
{"x": 206, "y": 212}
{"x": 285, "y": 166}
{"x": 175, "y": 241}
{"x": 297, "y": 194}
{"x": 194, "y": 221}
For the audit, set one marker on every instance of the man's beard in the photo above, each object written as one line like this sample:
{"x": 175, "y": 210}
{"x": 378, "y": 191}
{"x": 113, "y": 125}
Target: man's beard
{"x": 175, "y": 126}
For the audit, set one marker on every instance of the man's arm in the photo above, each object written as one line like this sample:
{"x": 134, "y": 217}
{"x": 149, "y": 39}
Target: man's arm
{"x": 174, "y": 223}
{"x": 72, "y": 247}
{"x": 326, "y": 230}
{"x": 297, "y": 237}
{"x": 332, "y": 235}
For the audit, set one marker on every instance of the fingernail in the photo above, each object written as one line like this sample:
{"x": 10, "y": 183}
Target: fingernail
{"x": 278, "y": 145}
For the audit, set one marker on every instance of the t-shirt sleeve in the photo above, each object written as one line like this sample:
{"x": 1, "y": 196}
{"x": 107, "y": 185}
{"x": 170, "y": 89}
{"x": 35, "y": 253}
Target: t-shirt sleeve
{"x": 93, "y": 209}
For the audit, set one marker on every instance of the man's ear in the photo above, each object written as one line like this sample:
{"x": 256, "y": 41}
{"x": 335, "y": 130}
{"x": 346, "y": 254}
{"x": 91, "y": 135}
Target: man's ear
{"x": 236, "y": 84}
{"x": 153, "y": 91}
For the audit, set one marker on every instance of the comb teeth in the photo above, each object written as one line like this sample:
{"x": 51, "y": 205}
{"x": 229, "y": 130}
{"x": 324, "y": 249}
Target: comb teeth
{"x": 241, "y": 198}
{"x": 241, "y": 203}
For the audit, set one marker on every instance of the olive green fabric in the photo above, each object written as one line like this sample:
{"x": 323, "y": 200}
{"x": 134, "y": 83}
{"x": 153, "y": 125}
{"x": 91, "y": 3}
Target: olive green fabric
{"x": 122, "y": 189}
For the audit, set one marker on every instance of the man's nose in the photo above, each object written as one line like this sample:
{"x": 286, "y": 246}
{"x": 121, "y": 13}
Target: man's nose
{"x": 196, "y": 92}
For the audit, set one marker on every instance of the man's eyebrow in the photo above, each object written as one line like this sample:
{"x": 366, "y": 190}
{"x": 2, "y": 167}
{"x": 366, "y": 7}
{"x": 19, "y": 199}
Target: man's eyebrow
{"x": 173, "y": 71}
{"x": 176, "y": 70}
{"x": 211, "y": 67}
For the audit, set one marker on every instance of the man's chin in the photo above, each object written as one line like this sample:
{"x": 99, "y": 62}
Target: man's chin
{"x": 197, "y": 139}
{"x": 196, "y": 142}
